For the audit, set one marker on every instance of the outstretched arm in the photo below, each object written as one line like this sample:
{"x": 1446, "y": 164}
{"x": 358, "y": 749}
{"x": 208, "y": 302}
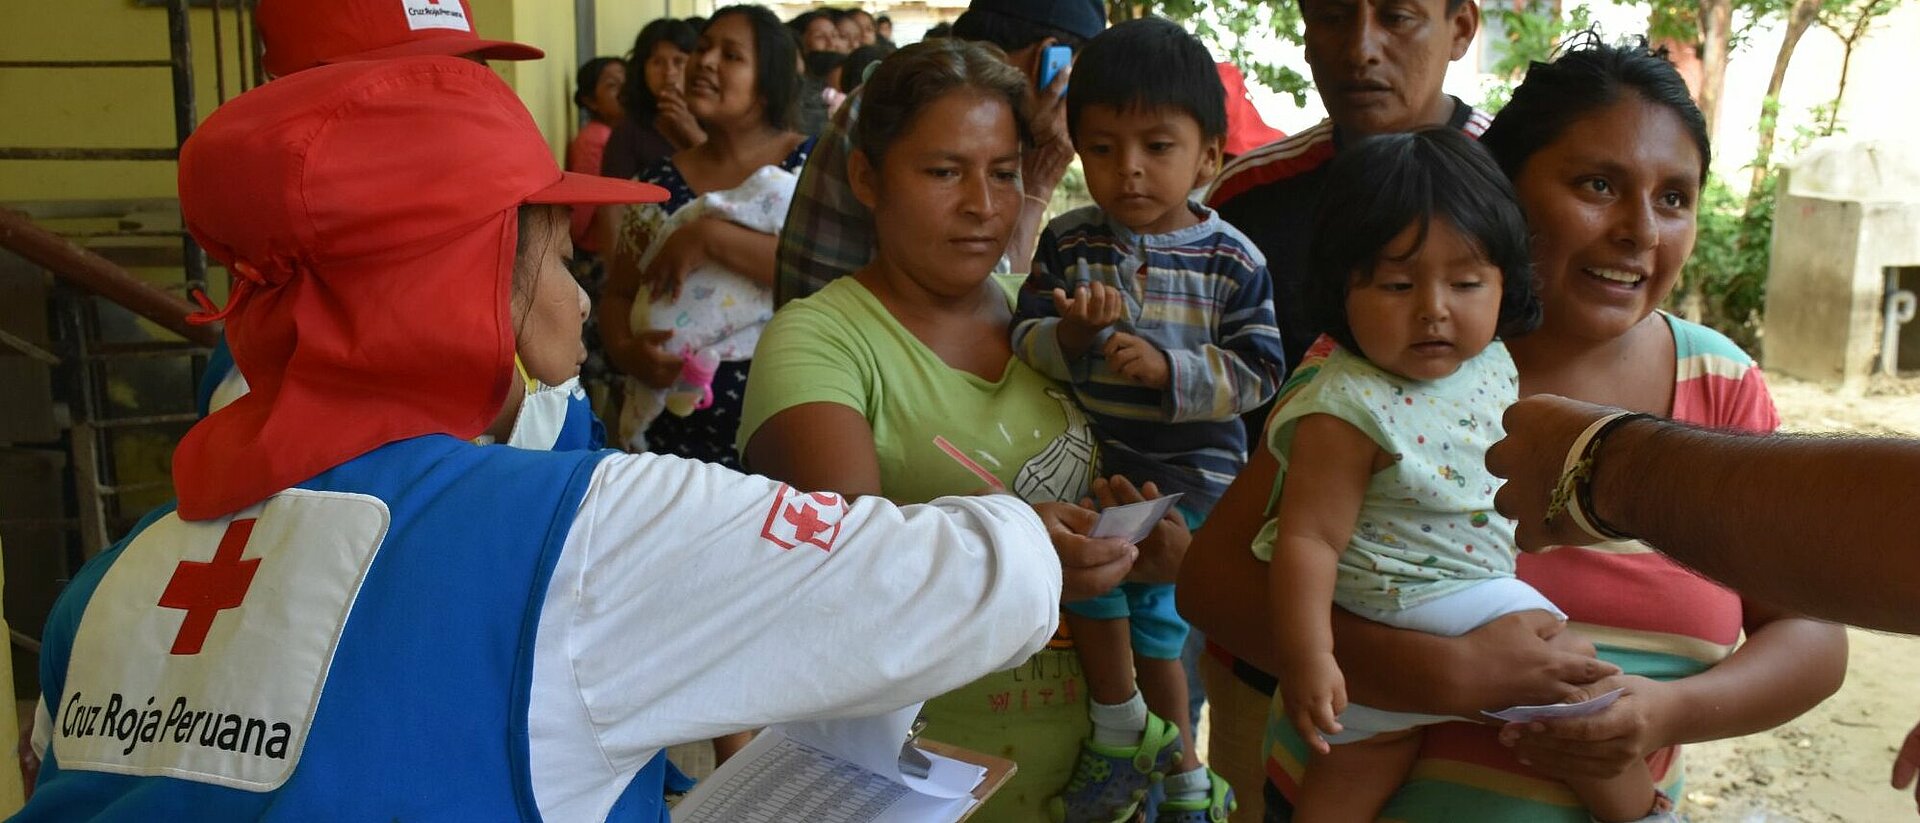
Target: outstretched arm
{"x": 1817, "y": 525}
{"x": 787, "y": 579}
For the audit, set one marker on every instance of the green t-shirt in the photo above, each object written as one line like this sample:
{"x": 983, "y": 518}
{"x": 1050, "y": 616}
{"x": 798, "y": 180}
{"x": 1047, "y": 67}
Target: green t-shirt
{"x": 936, "y": 429}
{"x": 1427, "y": 525}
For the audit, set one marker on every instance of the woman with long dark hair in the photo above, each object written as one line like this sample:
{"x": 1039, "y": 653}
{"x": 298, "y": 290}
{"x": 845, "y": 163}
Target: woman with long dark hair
{"x": 742, "y": 84}
{"x": 1608, "y": 156}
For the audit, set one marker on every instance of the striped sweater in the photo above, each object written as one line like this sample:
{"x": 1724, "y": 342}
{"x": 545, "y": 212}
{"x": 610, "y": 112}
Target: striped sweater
{"x": 1202, "y": 296}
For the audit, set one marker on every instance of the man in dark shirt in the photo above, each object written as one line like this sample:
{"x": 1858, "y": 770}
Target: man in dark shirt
{"x": 1378, "y": 66}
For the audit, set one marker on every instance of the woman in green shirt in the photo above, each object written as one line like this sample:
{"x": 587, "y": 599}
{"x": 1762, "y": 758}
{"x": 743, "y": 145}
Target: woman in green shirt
{"x": 900, "y": 380}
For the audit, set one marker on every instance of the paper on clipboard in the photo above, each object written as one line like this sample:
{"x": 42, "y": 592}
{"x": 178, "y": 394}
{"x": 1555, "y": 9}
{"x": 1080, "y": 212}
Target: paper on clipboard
{"x": 1134, "y": 521}
{"x": 873, "y": 743}
{"x": 841, "y": 771}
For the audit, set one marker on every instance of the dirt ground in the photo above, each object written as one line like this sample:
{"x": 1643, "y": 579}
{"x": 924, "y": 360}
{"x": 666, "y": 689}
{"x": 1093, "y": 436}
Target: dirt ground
{"x": 1831, "y": 764}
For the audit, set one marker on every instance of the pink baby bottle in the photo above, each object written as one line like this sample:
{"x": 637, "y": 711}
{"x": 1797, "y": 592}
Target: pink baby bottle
{"x": 693, "y": 389}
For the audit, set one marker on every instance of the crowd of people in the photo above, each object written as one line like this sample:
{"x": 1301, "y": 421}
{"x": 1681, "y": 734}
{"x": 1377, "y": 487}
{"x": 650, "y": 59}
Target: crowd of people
{"x": 822, "y": 305}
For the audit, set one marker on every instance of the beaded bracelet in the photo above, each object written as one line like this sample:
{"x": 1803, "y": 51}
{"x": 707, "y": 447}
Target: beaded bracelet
{"x": 1574, "y": 493}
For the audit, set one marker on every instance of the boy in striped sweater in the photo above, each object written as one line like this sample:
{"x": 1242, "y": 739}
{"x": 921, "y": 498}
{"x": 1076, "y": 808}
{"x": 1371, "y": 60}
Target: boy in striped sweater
{"x": 1160, "y": 317}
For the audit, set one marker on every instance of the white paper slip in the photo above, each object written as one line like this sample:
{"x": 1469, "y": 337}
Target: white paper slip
{"x": 1556, "y": 711}
{"x": 1134, "y": 521}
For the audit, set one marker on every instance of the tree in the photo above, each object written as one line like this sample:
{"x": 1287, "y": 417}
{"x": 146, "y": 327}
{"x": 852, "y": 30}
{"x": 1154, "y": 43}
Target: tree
{"x": 1851, "y": 21}
{"x": 1800, "y": 16}
{"x": 1237, "y": 32}
{"x": 1706, "y": 33}
{"x": 1531, "y": 32}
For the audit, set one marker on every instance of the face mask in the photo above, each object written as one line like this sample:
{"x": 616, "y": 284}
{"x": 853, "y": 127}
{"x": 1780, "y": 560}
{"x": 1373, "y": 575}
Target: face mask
{"x": 543, "y": 411}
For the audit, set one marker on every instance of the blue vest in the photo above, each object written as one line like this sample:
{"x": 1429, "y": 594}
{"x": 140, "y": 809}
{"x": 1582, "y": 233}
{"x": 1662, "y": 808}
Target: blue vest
{"x": 424, "y": 711}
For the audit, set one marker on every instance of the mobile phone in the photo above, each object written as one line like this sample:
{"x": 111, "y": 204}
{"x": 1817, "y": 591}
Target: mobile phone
{"x": 1052, "y": 61}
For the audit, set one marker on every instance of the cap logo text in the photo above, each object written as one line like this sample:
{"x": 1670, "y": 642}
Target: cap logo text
{"x": 436, "y": 14}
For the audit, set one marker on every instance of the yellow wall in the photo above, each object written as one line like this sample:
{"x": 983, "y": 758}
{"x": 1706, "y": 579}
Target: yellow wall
{"x": 546, "y": 86}
{"x": 616, "y": 22}
{"x": 108, "y": 108}
{"x": 134, "y": 107}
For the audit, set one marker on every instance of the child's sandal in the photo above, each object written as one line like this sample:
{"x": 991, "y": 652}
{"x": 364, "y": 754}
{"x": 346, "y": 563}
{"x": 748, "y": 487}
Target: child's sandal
{"x": 1110, "y": 782}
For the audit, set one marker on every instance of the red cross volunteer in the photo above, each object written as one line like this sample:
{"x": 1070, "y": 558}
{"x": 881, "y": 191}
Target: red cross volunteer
{"x": 356, "y": 613}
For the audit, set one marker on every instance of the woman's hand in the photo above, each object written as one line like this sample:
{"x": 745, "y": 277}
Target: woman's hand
{"x": 1604, "y": 744}
{"x": 1162, "y": 551}
{"x": 1314, "y": 693}
{"x": 1046, "y": 161}
{"x": 680, "y": 252}
{"x": 1522, "y": 659}
{"x": 1133, "y": 358}
{"x": 1089, "y": 567}
{"x": 1906, "y": 764}
{"x": 644, "y": 357}
{"x": 674, "y": 122}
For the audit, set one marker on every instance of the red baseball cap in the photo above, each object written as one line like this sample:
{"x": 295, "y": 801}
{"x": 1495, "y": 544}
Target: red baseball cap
{"x": 367, "y": 212}
{"x": 301, "y": 34}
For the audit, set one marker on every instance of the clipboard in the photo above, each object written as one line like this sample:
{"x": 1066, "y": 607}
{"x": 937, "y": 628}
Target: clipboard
{"x": 999, "y": 769}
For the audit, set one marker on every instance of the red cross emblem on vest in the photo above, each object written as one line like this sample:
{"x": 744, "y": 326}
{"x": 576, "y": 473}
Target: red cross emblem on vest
{"x": 800, "y": 518}
{"x": 206, "y": 589}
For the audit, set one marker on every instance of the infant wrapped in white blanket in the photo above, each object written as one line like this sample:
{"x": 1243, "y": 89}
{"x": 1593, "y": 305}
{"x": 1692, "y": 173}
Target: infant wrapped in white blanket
{"x": 719, "y": 314}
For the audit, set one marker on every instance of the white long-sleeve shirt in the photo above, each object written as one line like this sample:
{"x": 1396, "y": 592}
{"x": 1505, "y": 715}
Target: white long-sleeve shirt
{"x": 676, "y": 614}
{"x": 690, "y": 601}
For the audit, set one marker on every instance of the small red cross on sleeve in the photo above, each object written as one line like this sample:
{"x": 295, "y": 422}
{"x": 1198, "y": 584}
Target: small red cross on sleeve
{"x": 797, "y": 517}
{"x": 206, "y": 589}
{"x": 806, "y": 521}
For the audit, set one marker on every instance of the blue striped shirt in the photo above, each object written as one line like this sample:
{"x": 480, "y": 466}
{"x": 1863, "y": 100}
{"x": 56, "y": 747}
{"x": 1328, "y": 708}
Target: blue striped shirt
{"x": 1203, "y": 297}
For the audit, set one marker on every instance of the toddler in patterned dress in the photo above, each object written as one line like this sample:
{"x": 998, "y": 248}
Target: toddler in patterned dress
{"x": 1419, "y": 261}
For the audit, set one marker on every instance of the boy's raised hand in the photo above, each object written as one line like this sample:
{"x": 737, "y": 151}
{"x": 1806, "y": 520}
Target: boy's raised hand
{"x": 1093, "y": 306}
{"x": 1132, "y": 357}
{"x": 1315, "y": 693}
